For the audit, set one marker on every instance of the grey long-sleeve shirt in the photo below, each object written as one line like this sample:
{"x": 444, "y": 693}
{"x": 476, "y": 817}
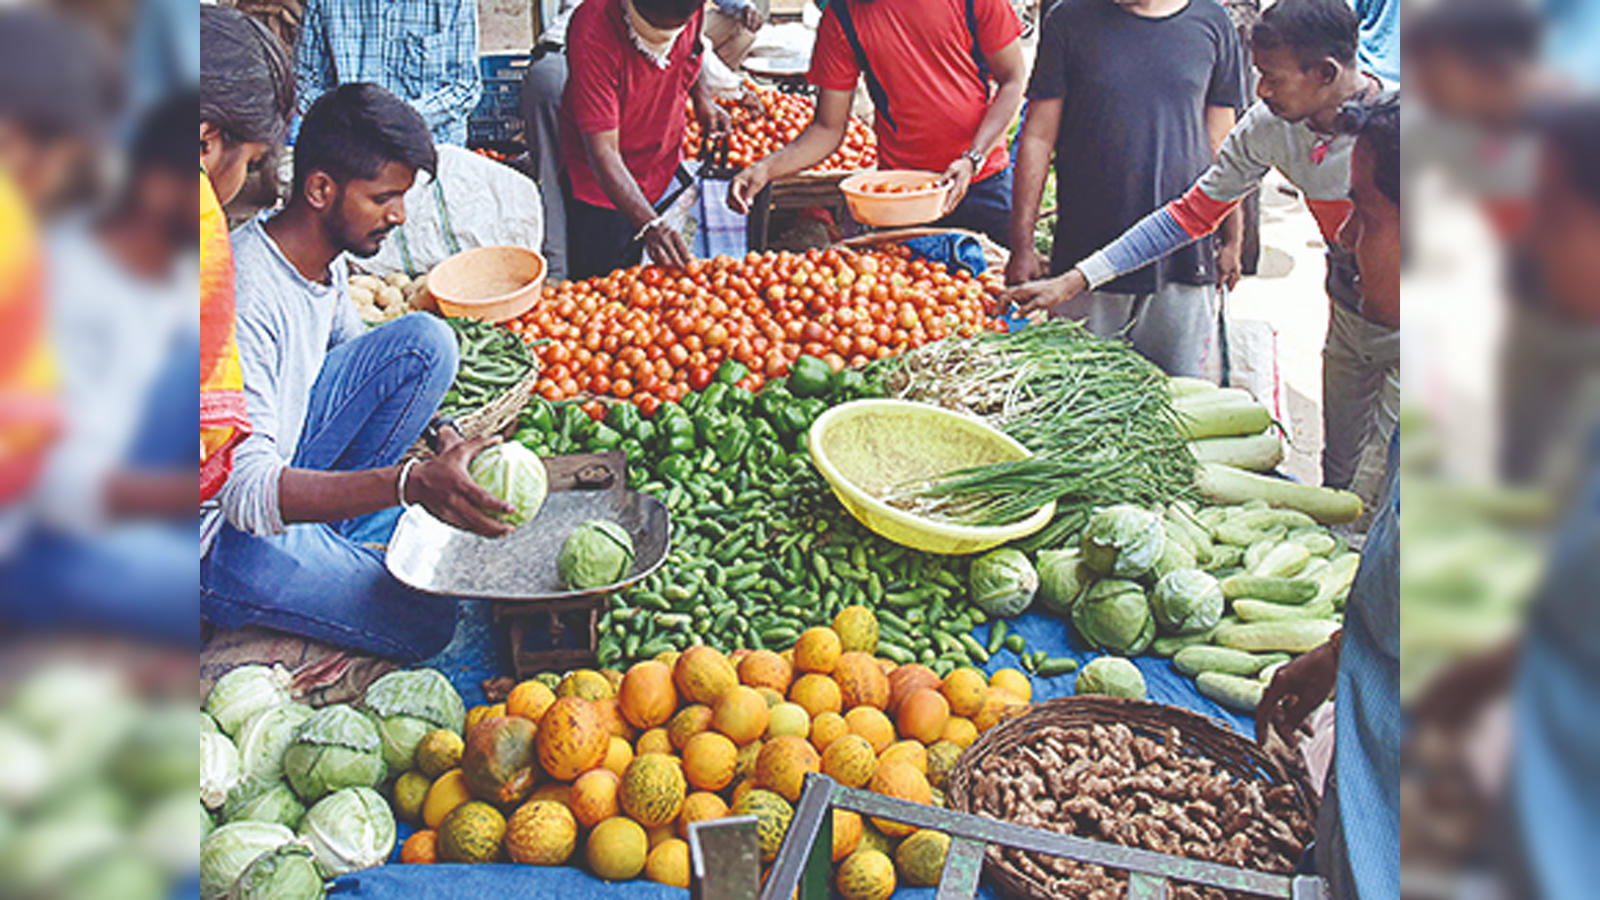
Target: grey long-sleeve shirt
{"x": 285, "y": 325}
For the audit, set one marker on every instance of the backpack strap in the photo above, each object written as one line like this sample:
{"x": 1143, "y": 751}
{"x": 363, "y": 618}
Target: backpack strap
{"x": 880, "y": 97}
{"x": 977, "y": 51}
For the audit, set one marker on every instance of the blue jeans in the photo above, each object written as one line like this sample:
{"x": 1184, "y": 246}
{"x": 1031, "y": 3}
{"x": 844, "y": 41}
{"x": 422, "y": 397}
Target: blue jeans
{"x": 132, "y": 578}
{"x": 986, "y": 208}
{"x": 370, "y": 402}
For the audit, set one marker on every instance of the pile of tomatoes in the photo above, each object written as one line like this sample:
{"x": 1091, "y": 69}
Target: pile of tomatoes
{"x": 650, "y": 334}
{"x": 884, "y": 187}
{"x": 756, "y": 136}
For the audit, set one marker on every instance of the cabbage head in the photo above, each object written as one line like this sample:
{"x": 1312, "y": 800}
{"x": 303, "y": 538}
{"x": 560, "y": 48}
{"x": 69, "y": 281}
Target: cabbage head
{"x": 1112, "y": 676}
{"x": 242, "y": 692}
{"x": 596, "y": 554}
{"x": 208, "y": 725}
{"x": 286, "y": 873}
{"x": 1062, "y": 577}
{"x": 409, "y": 704}
{"x": 514, "y": 474}
{"x": 1174, "y": 556}
{"x": 1123, "y": 541}
{"x": 219, "y": 769}
{"x": 1114, "y": 615}
{"x": 1186, "y": 601}
{"x": 336, "y": 748}
{"x": 1002, "y": 582}
{"x": 228, "y": 851}
{"x": 166, "y": 831}
{"x": 264, "y": 738}
{"x": 348, "y": 830}
{"x": 263, "y": 801}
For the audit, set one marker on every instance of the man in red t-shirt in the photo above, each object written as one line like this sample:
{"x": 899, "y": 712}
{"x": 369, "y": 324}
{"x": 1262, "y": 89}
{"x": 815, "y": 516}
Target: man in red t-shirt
{"x": 946, "y": 79}
{"x": 639, "y": 60}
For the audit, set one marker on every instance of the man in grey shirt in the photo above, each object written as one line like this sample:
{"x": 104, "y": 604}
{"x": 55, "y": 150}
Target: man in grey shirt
{"x": 333, "y": 406}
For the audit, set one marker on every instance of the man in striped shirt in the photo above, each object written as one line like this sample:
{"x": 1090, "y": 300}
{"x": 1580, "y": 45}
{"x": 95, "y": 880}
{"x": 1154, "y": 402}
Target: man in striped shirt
{"x": 1305, "y": 51}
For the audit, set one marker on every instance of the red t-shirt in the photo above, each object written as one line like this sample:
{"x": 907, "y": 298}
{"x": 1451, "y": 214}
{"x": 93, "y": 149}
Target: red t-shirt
{"x": 610, "y": 82}
{"x": 921, "y": 52}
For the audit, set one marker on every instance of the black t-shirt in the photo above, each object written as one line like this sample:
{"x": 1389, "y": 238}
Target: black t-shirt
{"x": 1133, "y": 134}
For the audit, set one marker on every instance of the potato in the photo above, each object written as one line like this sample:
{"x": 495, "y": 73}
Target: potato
{"x": 398, "y": 280}
{"x": 370, "y": 282}
{"x": 390, "y": 298}
{"x": 361, "y": 294}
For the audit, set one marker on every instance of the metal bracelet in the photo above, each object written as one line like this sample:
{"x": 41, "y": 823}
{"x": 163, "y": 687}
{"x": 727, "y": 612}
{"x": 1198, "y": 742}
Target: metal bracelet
{"x": 400, "y": 483}
{"x": 658, "y": 220}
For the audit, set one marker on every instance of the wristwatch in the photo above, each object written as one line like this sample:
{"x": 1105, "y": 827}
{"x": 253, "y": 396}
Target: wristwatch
{"x": 977, "y": 159}
{"x": 430, "y": 434}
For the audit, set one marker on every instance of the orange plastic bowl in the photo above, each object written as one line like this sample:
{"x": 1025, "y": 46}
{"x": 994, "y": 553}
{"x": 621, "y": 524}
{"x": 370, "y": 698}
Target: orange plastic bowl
{"x": 493, "y": 284}
{"x": 912, "y": 207}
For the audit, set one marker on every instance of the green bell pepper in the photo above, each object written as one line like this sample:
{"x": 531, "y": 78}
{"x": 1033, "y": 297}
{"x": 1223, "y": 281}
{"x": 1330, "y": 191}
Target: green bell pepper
{"x": 729, "y": 440}
{"x": 731, "y": 372}
{"x": 675, "y": 468}
{"x": 849, "y": 384}
{"x": 539, "y": 415}
{"x": 645, "y": 430}
{"x": 813, "y": 408}
{"x": 810, "y": 377}
{"x": 705, "y": 425}
{"x": 761, "y": 429}
{"x": 772, "y": 399}
{"x": 604, "y": 438}
{"x": 711, "y": 398}
{"x": 624, "y": 418}
{"x": 575, "y": 423}
{"x": 635, "y": 453}
{"x": 737, "y": 401}
{"x": 791, "y": 419}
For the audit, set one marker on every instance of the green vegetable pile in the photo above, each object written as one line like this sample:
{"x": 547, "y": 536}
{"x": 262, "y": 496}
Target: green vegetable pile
{"x": 493, "y": 360}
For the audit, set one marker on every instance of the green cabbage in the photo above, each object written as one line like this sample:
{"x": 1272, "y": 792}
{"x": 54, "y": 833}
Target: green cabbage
{"x": 514, "y": 474}
{"x": 263, "y": 801}
{"x": 596, "y": 554}
{"x": 219, "y": 769}
{"x": 228, "y": 851}
{"x": 1112, "y": 676}
{"x": 1174, "y": 556}
{"x": 1002, "y": 582}
{"x": 1186, "y": 601}
{"x": 349, "y": 830}
{"x": 122, "y": 874}
{"x": 336, "y": 748}
{"x": 241, "y": 693}
{"x": 1114, "y": 614}
{"x": 264, "y": 738}
{"x": 1123, "y": 541}
{"x": 409, "y": 704}
{"x": 286, "y": 873}
{"x": 167, "y": 832}
{"x": 1062, "y": 577}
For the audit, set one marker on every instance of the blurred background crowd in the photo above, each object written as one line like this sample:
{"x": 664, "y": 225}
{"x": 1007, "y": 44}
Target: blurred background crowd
{"x": 99, "y": 337}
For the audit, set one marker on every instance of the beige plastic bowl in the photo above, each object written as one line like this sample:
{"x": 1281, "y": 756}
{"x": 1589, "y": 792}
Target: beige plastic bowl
{"x": 488, "y": 283}
{"x": 894, "y": 210}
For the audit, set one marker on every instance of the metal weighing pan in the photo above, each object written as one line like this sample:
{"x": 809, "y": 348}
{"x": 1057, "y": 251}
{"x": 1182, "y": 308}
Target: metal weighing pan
{"x": 430, "y": 556}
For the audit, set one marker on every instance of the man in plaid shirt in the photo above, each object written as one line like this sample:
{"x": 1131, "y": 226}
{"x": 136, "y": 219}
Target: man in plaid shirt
{"x": 423, "y": 51}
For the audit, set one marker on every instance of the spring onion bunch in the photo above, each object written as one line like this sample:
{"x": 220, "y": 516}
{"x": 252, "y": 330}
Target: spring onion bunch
{"x": 1096, "y": 415}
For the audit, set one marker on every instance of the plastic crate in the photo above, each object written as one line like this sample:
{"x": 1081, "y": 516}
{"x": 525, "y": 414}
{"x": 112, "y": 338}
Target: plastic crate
{"x": 498, "y": 115}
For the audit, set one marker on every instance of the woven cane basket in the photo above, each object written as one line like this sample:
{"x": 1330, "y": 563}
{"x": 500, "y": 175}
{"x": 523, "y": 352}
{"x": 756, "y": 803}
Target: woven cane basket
{"x": 1198, "y": 735}
{"x": 492, "y": 417}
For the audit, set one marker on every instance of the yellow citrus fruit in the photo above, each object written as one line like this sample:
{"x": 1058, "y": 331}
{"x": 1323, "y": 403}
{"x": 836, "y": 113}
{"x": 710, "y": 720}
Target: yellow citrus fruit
{"x": 872, "y": 724}
{"x": 529, "y": 700}
{"x": 817, "y": 650}
{"x": 668, "y": 863}
{"x": 709, "y": 760}
{"x": 964, "y": 690}
{"x": 849, "y": 761}
{"x": 827, "y": 728}
{"x": 816, "y": 694}
{"x": 617, "y": 849}
{"x": 1015, "y": 682}
{"x": 788, "y": 719}
{"x": 857, "y": 628}
{"x": 741, "y": 714}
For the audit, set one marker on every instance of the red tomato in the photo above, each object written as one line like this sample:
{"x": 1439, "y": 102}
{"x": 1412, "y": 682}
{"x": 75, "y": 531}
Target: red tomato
{"x": 699, "y": 377}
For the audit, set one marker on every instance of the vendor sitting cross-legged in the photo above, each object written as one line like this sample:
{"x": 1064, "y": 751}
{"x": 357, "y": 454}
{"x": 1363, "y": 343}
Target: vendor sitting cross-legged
{"x": 334, "y": 406}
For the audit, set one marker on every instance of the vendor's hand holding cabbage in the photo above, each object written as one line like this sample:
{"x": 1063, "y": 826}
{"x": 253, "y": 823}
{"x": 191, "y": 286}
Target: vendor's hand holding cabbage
{"x": 444, "y": 487}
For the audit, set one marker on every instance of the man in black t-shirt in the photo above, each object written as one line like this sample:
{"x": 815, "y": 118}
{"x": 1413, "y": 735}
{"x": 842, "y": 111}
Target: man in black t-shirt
{"x": 1133, "y": 98}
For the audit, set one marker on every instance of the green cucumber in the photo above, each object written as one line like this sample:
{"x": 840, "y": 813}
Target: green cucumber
{"x": 1262, "y": 611}
{"x": 1205, "y": 658}
{"x": 1277, "y": 590}
{"x": 1290, "y": 636}
{"x": 1283, "y": 561}
{"x": 1236, "y": 693}
{"x": 1059, "y": 665}
{"x": 1256, "y": 452}
{"x": 1226, "y": 484}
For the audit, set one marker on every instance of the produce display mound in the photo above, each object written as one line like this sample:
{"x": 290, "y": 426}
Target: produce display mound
{"x": 765, "y": 121}
{"x": 1136, "y": 774}
{"x": 650, "y": 334}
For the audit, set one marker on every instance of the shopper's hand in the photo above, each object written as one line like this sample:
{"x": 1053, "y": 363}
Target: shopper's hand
{"x": 751, "y": 18}
{"x": 745, "y": 186}
{"x": 1230, "y": 266}
{"x": 666, "y": 246}
{"x": 958, "y": 175}
{"x": 1296, "y": 691}
{"x": 714, "y": 120}
{"x": 1046, "y": 295}
{"x": 1026, "y": 265}
{"x": 443, "y": 487}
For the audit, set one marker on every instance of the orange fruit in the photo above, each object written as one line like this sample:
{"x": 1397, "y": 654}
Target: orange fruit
{"x": 611, "y": 712}
{"x": 849, "y": 761}
{"x": 529, "y": 700}
{"x": 959, "y": 731}
{"x": 817, "y": 694}
{"x": 923, "y": 716}
{"x": 554, "y": 792}
{"x": 903, "y": 781}
{"x": 572, "y": 739}
{"x": 741, "y": 714}
{"x": 872, "y": 724}
{"x": 647, "y": 697}
{"x": 964, "y": 689}
{"x": 594, "y": 797}
{"x": 699, "y": 806}
{"x": 421, "y": 848}
{"x": 763, "y": 668}
{"x": 618, "y": 755}
{"x": 689, "y": 721}
{"x": 817, "y": 650}
{"x": 827, "y": 728}
{"x": 998, "y": 705}
{"x": 655, "y": 740}
{"x": 709, "y": 760}
{"x": 668, "y": 863}
{"x": 703, "y": 675}
{"x": 541, "y": 834}
{"x": 1013, "y": 681}
{"x": 906, "y": 751}
{"x": 861, "y": 682}
{"x": 783, "y": 764}
{"x": 906, "y": 680}
{"x": 847, "y": 828}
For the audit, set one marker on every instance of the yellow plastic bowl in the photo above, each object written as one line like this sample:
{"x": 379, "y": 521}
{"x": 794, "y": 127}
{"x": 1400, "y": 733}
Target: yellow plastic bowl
{"x": 866, "y": 447}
